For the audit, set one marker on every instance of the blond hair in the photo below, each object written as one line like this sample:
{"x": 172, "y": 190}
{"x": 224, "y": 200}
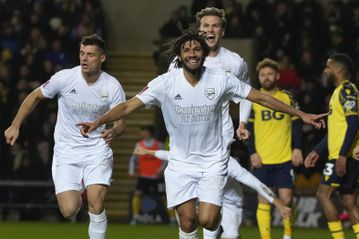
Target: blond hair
{"x": 267, "y": 62}
{"x": 211, "y": 11}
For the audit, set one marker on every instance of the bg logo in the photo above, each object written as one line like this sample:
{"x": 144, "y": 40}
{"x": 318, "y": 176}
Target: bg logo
{"x": 268, "y": 115}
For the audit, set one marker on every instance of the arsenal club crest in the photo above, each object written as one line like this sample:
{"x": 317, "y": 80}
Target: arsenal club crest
{"x": 103, "y": 95}
{"x": 210, "y": 93}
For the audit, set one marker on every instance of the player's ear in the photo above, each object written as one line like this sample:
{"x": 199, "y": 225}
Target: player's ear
{"x": 103, "y": 58}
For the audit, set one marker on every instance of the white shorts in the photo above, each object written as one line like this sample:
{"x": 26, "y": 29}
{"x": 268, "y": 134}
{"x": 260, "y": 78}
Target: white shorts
{"x": 78, "y": 176}
{"x": 181, "y": 187}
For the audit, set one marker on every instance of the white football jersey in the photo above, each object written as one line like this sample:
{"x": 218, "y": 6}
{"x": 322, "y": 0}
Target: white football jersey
{"x": 80, "y": 102}
{"x": 233, "y": 63}
{"x": 193, "y": 116}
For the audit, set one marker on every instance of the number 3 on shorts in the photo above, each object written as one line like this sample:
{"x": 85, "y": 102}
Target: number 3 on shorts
{"x": 328, "y": 170}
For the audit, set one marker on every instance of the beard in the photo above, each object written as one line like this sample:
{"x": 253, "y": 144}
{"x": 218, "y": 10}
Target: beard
{"x": 194, "y": 71}
{"x": 268, "y": 85}
{"x": 330, "y": 78}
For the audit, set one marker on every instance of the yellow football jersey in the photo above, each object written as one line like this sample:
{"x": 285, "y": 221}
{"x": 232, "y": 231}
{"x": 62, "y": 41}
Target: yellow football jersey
{"x": 273, "y": 130}
{"x": 344, "y": 102}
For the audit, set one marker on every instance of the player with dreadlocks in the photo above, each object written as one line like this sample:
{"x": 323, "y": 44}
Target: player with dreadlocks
{"x": 191, "y": 98}
{"x": 211, "y": 23}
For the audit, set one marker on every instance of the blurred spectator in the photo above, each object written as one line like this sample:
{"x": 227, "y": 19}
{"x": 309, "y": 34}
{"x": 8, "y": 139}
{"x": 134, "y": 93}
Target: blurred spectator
{"x": 148, "y": 169}
{"x": 197, "y": 5}
{"x": 264, "y": 46}
{"x": 171, "y": 29}
{"x": 258, "y": 14}
{"x": 8, "y": 39}
{"x": 237, "y": 22}
{"x": 289, "y": 78}
{"x": 308, "y": 69}
{"x": 85, "y": 27}
{"x": 57, "y": 55}
{"x": 283, "y": 29}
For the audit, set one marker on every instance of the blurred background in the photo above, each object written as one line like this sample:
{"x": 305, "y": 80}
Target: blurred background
{"x": 41, "y": 37}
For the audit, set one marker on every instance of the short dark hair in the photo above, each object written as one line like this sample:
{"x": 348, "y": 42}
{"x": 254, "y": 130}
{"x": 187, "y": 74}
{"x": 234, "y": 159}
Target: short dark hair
{"x": 344, "y": 61}
{"x": 96, "y": 40}
{"x": 211, "y": 11}
{"x": 172, "y": 49}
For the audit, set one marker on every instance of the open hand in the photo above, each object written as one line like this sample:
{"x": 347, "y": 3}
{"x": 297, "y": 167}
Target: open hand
{"x": 297, "y": 157}
{"x": 285, "y": 212}
{"x": 139, "y": 150}
{"x": 311, "y": 159}
{"x": 108, "y": 135}
{"x": 340, "y": 166}
{"x": 256, "y": 160}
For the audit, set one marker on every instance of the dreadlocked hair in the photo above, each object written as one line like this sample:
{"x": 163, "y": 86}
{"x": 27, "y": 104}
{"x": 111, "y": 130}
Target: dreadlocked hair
{"x": 172, "y": 49}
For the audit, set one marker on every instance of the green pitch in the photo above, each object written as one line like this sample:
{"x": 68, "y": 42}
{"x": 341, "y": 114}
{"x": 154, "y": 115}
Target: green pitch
{"x": 42, "y": 230}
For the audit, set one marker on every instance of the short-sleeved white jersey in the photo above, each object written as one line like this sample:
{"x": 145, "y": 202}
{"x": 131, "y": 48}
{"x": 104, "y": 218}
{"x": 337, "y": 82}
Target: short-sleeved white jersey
{"x": 193, "y": 116}
{"x": 230, "y": 62}
{"x": 233, "y": 63}
{"x": 80, "y": 102}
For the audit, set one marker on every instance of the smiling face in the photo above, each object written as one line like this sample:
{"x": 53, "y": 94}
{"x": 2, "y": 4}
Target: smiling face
{"x": 192, "y": 55}
{"x": 211, "y": 27}
{"x": 268, "y": 78}
{"x": 91, "y": 59}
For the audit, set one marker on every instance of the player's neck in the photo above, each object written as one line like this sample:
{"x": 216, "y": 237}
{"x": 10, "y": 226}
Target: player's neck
{"x": 270, "y": 91}
{"x": 339, "y": 81}
{"x": 214, "y": 52}
{"x": 91, "y": 78}
{"x": 193, "y": 77}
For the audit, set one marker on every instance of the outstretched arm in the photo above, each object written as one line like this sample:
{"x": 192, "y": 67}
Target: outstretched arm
{"x": 285, "y": 212}
{"x": 112, "y": 133}
{"x": 240, "y": 174}
{"x": 274, "y": 104}
{"x": 116, "y": 113}
{"x": 12, "y": 133}
{"x": 161, "y": 154}
{"x": 245, "y": 108}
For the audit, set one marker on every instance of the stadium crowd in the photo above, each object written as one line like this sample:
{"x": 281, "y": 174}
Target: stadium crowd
{"x": 37, "y": 39}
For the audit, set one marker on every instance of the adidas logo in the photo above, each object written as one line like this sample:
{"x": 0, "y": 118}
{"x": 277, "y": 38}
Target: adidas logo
{"x": 73, "y": 91}
{"x": 178, "y": 97}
